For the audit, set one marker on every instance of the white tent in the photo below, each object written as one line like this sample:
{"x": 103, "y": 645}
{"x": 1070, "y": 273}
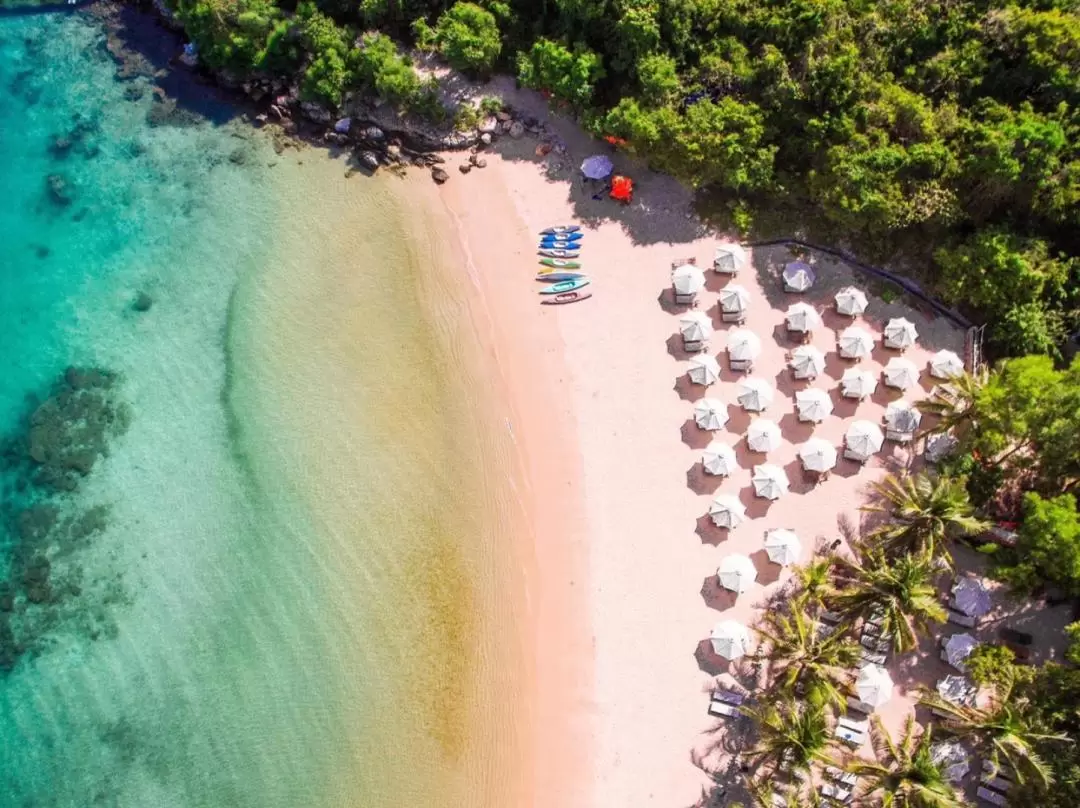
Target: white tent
{"x": 900, "y": 373}
{"x": 704, "y": 369}
{"x": 718, "y": 458}
{"x": 743, "y": 345}
{"x": 863, "y": 439}
{"x": 957, "y": 648}
{"x": 802, "y": 317}
{"x": 782, "y": 546}
{"x": 687, "y": 279}
{"x": 734, "y": 299}
{"x": 851, "y": 301}
{"x": 695, "y": 326}
{"x": 769, "y": 481}
{"x": 798, "y": 276}
{"x": 736, "y": 572}
{"x": 972, "y": 598}
{"x": 874, "y": 685}
{"x": 730, "y": 639}
{"x": 900, "y": 416}
{"x": 857, "y": 383}
{"x": 900, "y": 333}
{"x": 807, "y": 362}
{"x": 946, "y": 365}
{"x": 814, "y": 405}
{"x": 755, "y": 394}
{"x": 763, "y": 435}
{"x": 727, "y": 511}
{"x": 710, "y": 414}
{"x": 855, "y": 343}
{"x": 817, "y": 455}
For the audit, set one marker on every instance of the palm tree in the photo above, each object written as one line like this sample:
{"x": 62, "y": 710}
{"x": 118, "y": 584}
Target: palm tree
{"x": 900, "y": 592}
{"x": 764, "y": 794}
{"x": 814, "y": 582}
{"x": 791, "y": 738}
{"x": 1005, "y": 729}
{"x": 904, "y": 774}
{"x": 954, "y": 404}
{"x": 925, "y": 510}
{"x": 804, "y": 658}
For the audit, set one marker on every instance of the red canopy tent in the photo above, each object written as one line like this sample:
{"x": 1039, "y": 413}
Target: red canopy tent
{"x": 622, "y": 189}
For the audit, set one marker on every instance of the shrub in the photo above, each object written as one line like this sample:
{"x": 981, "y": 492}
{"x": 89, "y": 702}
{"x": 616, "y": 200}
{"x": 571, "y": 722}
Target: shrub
{"x": 466, "y": 35}
{"x": 569, "y": 75}
{"x": 382, "y": 69}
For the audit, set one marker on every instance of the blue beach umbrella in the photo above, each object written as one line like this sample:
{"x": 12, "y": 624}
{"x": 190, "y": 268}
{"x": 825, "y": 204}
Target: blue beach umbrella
{"x": 597, "y": 167}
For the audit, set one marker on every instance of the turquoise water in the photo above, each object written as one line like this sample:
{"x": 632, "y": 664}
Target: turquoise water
{"x": 220, "y": 590}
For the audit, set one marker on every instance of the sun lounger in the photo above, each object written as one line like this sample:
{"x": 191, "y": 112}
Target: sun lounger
{"x": 878, "y": 645}
{"x": 859, "y": 706}
{"x": 850, "y": 455}
{"x": 733, "y": 316}
{"x": 877, "y": 659}
{"x": 830, "y": 617}
{"x": 872, "y": 629}
{"x": 694, "y": 346}
{"x": 850, "y": 736}
{"x": 862, "y": 725}
{"x": 992, "y": 797}
{"x": 899, "y": 437}
{"x": 841, "y": 776}
{"x": 744, "y": 365}
{"x": 729, "y": 697}
{"x": 836, "y": 792}
{"x": 719, "y": 708}
{"x": 967, "y": 621}
{"x": 997, "y": 783}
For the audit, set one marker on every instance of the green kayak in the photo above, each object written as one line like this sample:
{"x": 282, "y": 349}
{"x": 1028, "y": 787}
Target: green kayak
{"x": 561, "y": 263}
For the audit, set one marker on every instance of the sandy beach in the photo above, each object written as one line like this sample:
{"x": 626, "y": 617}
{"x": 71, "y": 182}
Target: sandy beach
{"x": 623, "y": 592}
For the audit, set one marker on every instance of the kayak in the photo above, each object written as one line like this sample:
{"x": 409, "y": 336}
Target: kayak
{"x": 564, "y": 228}
{"x": 552, "y": 253}
{"x": 556, "y": 276}
{"x": 558, "y": 244}
{"x": 563, "y": 236}
{"x": 566, "y": 297}
{"x": 561, "y": 264}
{"x": 565, "y": 286}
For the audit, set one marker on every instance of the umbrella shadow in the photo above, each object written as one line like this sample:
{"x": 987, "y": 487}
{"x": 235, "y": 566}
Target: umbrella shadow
{"x": 708, "y": 660}
{"x": 847, "y": 468}
{"x": 799, "y": 480}
{"x": 746, "y": 457}
{"x": 715, "y": 281}
{"x": 676, "y": 347}
{"x": 666, "y": 299}
{"x": 835, "y": 365}
{"x": 786, "y": 384}
{"x": 687, "y": 390}
{"x": 843, "y": 406}
{"x": 756, "y": 507}
{"x": 885, "y": 395}
{"x": 782, "y": 337}
{"x": 694, "y": 436}
{"x": 738, "y": 420}
{"x": 767, "y": 571}
{"x": 794, "y": 430}
{"x": 715, "y": 596}
{"x": 708, "y": 532}
{"x": 698, "y": 481}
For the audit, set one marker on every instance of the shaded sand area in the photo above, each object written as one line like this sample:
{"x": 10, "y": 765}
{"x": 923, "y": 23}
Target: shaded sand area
{"x": 612, "y": 368}
{"x": 291, "y": 575}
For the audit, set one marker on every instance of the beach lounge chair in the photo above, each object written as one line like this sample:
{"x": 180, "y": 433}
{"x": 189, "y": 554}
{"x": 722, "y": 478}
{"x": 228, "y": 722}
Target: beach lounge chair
{"x": 745, "y": 365}
{"x": 719, "y": 708}
{"x": 992, "y": 797}
{"x": 860, "y": 725}
{"x": 737, "y": 317}
{"x": 836, "y": 792}
{"x": 849, "y": 736}
{"x": 989, "y": 769}
{"x": 899, "y": 437}
{"x": 876, "y": 658}
{"x": 729, "y": 697}
{"x": 841, "y": 776}
{"x": 859, "y": 706}
{"x": 879, "y": 645}
{"x": 997, "y": 783}
{"x": 832, "y": 618}
{"x": 960, "y": 619}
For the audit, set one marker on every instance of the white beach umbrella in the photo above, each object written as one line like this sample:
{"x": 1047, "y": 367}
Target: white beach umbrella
{"x": 687, "y": 279}
{"x": 782, "y": 546}
{"x": 730, "y": 639}
{"x": 743, "y": 345}
{"x": 734, "y": 299}
{"x": 695, "y": 326}
{"x": 769, "y": 481}
{"x": 798, "y": 276}
{"x": 802, "y": 317}
{"x": 957, "y": 648}
{"x": 946, "y": 365}
{"x": 807, "y": 362}
{"x": 813, "y": 405}
{"x": 900, "y": 333}
{"x": 952, "y": 758}
{"x": 729, "y": 258}
{"x": 855, "y": 343}
{"x": 755, "y": 394}
{"x": 704, "y": 369}
{"x": 863, "y": 439}
{"x": 817, "y": 455}
{"x": 763, "y": 435}
{"x": 940, "y": 446}
{"x": 972, "y": 597}
{"x": 900, "y": 416}
{"x": 874, "y": 685}
{"x": 857, "y": 383}
{"x": 718, "y": 458}
{"x": 727, "y": 511}
{"x": 597, "y": 167}
{"x": 710, "y": 414}
{"x": 956, "y": 689}
{"x": 900, "y": 373}
{"x": 736, "y": 572}
{"x": 851, "y": 301}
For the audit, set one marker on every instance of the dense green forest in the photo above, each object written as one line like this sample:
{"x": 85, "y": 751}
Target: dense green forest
{"x": 942, "y": 133}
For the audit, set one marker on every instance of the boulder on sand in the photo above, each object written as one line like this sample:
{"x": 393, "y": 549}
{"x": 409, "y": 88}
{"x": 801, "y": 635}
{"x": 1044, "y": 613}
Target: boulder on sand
{"x": 439, "y": 175}
{"x": 369, "y": 160}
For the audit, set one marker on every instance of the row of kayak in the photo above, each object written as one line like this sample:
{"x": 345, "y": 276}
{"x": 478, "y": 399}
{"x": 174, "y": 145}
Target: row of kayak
{"x": 559, "y": 246}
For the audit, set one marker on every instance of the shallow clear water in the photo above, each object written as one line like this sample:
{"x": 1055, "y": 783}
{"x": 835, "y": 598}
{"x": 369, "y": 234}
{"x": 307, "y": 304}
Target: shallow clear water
{"x": 282, "y": 584}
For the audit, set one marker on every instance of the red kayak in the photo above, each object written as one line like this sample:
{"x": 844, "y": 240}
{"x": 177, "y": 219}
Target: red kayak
{"x": 566, "y": 297}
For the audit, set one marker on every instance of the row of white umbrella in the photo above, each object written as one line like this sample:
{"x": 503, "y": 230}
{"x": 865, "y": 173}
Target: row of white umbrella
{"x": 719, "y": 458}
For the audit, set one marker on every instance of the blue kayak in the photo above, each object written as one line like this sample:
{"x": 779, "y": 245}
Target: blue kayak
{"x": 562, "y": 236}
{"x": 565, "y": 286}
{"x": 564, "y": 229}
{"x": 559, "y": 244}
{"x": 558, "y": 277}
